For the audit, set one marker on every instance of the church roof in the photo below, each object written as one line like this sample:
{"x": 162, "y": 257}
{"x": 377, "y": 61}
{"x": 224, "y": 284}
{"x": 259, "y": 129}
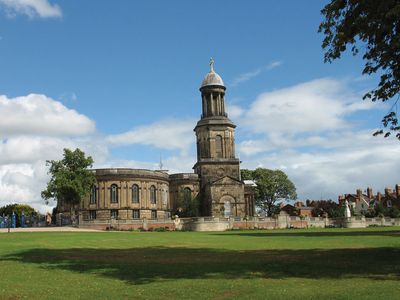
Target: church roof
{"x": 212, "y": 78}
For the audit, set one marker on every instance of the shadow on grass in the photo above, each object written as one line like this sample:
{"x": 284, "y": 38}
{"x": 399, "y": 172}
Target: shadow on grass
{"x": 302, "y": 233}
{"x": 145, "y": 265}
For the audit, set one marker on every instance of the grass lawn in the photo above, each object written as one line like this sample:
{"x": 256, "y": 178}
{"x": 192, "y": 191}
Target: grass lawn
{"x": 279, "y": 264}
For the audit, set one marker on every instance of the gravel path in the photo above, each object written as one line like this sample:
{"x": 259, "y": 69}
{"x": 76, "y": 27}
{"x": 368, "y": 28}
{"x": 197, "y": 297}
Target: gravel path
{"x": 49, "y": 229}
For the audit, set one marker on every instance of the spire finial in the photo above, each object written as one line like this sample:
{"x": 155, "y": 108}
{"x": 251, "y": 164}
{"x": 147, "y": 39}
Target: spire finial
{"x": 212, "y": 64}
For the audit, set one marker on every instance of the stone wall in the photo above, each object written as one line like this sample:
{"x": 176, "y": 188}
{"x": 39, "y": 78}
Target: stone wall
{"x": 222, "y": 224}
{"x": 144, "y": 224}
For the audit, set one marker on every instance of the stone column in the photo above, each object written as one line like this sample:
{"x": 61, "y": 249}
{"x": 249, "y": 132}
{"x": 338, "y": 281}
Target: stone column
{"x": 212, "y": 104}
{"x": 204, "y": 106}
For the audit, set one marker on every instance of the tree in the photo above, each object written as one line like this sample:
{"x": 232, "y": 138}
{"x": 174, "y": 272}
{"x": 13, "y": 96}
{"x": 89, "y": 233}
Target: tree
{"x": 71, "y": 179}
{"x": 373, "y": 27}
{"x": 187, "y": 205}
{"x": 271, "y": 186}
{"x": 324, "y": 207}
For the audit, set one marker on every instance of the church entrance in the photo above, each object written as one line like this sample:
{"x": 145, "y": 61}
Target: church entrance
{"x": 226, "y": 205}
{"x": 227, "y": 209}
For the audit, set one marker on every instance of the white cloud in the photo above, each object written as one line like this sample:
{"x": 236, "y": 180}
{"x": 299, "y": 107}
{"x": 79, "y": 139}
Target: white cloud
{"x": 357, "y": 161}
{"x": 249, "y": 75}
{"x": 23, "y": 170}
{"x": 167, "y": 134}
{"x": 234, "y": 111}
{"x": 22, "y": 183}
{"x": 33, "y": 129}
{"x": 40, "y": 115}
{"x": 314, "y": 106}
{"x": 32, "y": 8}
{"x": 30, "y": 149}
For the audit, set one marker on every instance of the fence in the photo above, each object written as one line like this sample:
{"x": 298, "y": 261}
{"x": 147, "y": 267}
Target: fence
{"x": 13, "y": 221}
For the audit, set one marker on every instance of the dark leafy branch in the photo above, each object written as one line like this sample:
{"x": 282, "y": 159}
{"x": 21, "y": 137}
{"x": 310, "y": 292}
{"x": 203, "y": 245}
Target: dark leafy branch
{"x": 373, "y": 27}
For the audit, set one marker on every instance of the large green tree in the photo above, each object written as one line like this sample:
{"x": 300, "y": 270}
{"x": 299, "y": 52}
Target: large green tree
{"x": 373, "y": 28}
{"x": 71, "y": 178}
{"x": 272, "y": 185}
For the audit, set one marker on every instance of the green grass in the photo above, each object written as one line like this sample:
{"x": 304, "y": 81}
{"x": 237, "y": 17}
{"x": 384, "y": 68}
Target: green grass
{"x": 280, "y": 264}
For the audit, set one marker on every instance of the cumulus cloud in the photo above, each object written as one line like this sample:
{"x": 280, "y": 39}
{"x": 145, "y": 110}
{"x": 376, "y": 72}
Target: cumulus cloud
{"x": 40, "y": 115}
{"x": 23, "y": 170}
{"x": 355, "y": 160}
{"x": 234, "y": 111}
{"x": 166, "y": 134}
{"x": 249, "y": 75}
{"x": 31, "y": 8}
{"x": 33, "y": 129}
{"x": 314, "y": 106}
{"x": 22, "y": 183}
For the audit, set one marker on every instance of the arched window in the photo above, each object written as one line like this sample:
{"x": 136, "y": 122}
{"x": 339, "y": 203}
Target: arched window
{"x": 114, "y": 193}
{"x": 93, "y": 195}
{"x": 187, "y": 194}
{"x": 135, "y": 193}
{"x": 153, "y": 198}
{"x": 218, "y": 146}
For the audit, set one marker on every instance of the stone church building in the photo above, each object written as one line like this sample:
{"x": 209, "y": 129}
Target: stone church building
{"x": 129, "y": 194}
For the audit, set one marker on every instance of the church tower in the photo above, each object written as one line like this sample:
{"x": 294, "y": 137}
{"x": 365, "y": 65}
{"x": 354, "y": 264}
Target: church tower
{"x": 222, "y": 190}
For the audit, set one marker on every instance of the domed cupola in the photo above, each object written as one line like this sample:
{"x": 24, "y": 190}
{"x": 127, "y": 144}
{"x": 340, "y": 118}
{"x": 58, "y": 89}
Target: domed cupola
{"x": 213, "y": 94}
{"x": 212, "y": 78}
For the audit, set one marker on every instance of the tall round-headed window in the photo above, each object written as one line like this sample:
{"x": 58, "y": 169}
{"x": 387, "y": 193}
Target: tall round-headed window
{"x": 187, "y": 194}
{"x": 135, "y": 193}
{"x": 153, "y": 197}
{"x": 218, "y": 146}
{"x": 114, "y": 193}
{"x": 93, "y": 195}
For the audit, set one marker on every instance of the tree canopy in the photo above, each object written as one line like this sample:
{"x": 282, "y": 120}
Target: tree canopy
{"x": 372, "y": 27}
{"x": 187, "y": 205}
{"x": 272, "y": 185}
{"x": 71, "y": 178}
{"x": 325, "y": 207}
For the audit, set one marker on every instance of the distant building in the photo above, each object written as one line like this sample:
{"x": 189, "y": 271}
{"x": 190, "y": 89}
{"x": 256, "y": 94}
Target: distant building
{"x": 360, "y": 202}
{"x": 298, "y": 209}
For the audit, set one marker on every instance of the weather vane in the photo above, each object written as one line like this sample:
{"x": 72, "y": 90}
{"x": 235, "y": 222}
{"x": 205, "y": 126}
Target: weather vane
{"x": 212, "y": 64}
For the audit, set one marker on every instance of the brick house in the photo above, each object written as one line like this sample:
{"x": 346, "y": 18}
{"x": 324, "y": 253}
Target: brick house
{"x": 360, "y": 202}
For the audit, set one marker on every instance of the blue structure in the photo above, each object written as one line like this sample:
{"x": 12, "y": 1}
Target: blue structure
{"x": 3, "y": 223}
{"x": 23, "y": 219}
{"x": 13, "y": 220}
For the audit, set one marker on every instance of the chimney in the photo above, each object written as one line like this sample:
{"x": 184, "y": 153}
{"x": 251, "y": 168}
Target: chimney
{"x": 388, "y": 191}
{"x": 369, "y": 193}
{"x": 397, "y": 191}
{"x": 359, "y": 195}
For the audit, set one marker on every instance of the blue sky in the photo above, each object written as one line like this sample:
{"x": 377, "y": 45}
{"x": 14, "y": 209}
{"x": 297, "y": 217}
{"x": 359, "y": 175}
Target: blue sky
{"x": 120, "y": 79}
